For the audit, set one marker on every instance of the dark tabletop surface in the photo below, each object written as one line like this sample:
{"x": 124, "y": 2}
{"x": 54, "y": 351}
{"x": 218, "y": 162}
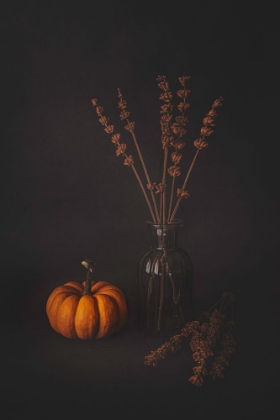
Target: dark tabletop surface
{"x": 41, "y": 370}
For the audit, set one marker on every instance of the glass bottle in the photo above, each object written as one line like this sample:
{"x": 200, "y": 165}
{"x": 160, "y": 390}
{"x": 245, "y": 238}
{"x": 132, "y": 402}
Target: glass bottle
{"x": 164, "y": 282}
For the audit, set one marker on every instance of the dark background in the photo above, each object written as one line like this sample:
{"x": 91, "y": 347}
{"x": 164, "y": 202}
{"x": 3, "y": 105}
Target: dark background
{"x": 66, "y": 197}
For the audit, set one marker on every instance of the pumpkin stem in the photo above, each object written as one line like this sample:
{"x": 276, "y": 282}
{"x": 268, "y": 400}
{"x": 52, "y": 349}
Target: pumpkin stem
{"x": 90, "y": 266}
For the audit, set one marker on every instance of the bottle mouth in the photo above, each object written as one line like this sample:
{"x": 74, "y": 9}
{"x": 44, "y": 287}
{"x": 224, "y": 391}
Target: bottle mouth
{"x": 175, "y": 223}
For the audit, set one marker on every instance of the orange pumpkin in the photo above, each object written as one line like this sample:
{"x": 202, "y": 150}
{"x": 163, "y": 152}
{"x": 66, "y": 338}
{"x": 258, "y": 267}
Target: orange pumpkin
{"x": 87, "y": 310}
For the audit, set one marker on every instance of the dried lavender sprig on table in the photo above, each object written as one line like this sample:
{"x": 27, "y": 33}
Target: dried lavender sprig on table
{"x": 211, "y": 339}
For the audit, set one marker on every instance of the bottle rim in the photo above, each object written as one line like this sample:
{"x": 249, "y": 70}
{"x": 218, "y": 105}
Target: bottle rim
{"x": 175, "y": 223}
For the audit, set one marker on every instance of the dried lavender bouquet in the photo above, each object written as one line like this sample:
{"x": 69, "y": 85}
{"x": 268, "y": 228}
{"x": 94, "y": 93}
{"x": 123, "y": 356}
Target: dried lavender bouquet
{"x": 163, "y": 204}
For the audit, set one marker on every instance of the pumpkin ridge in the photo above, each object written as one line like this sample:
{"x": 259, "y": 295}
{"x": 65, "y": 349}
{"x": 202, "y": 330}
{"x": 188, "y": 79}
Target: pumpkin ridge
{"x": 109, "y": 315}
{"x": 53, "y": 305}
{"x": 86, "y": 318}
{"x": 66, "y": 316}
{"x": 66, "y": 290}
{"x": 54, "y": 294}
{"x": 74, "y": 285}
{"x": 97, "y": 286}
{"x": 62, "y": 289}
{"x": 118, "y": 297}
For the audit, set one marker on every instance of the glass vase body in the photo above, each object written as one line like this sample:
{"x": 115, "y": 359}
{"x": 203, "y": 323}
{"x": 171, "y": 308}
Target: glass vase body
{"x": 164, "y": 282}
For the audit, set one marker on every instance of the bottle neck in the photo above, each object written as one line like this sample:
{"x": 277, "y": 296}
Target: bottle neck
{"x": 165, "y": 236}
